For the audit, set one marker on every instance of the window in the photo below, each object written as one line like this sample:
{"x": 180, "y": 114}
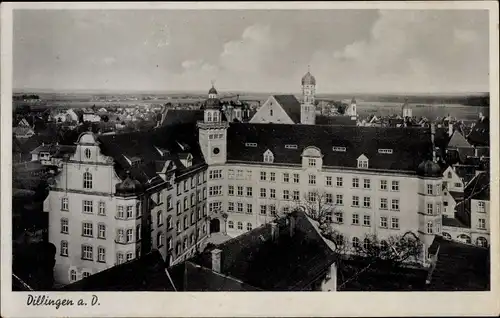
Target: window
{"x": 263, "y": 209}
{"x": 312, "y": 179}
{"x": 355, "y": 242}
{"x": 249, "y": 226}
{"x": 339, "y": 149}
{"x": 340, "y": 182}
{"x": 240, "y": 226}
{"x": 120, "y": 236}
{"x": 130, "y": 211}
{"x": 192, "y": 199}
{"x": 215, "y": 191}
{"x": 87, "y": 180}
{"x": 430, "y": 208}
{"x": 272, "y": 193}
{"x": 138, "y": 232}
{"x": 87, "y": 229}
{"x": 215, "y": 174}
{"x": 230, "y": 174}
{"x": 65, "y": 204}
{"x": 230, "y": 224}
{"x": 240, "y": 207}
{"x": 87, "y": 253}
{"x": 355, "y": 219}
{"x": 159, "y": 198}
{"x": 268, "y": 157}
{"x": 178, "y": 189}
{"x": 366, "y": 202}
{"x": 85, "y": 274}
{"x": 311, "y": 196}
{"x": 385, "y": 151}
{"x": 130, "y": 256}
{"x": 429, "y": 189}
{"x": 159, "y": 239}
{"x": 394, "y": 223}
{"x": 395, "y": 185}
{"x": 169, "y": 244}
{"x": 270, "y": 112}
{"x": 383, "y": 185}
{"x": 64, "y": 248}
{"x": 481, "y": 206}
{"x": 339, "y": 217}
{"x": 272, "y": 209}
{"x": 102, "y": 208}
{"x": 240, "y": 191}
{"x": 286, "y": 209}
{"x": 339, "y": 199}
{"x": 328, "y": 181}
{"x": 481, "y": 224}
{"x": 296, "y": 178}
{"x": 186, "y": 223}
{"x": 290, "y": 146}
{"x": 383, "y": 204}
{"x": 366, "y": 220}
{"x": 185, "y": 185}
{"x": 366, "y": 184}
{"x": 458, "y": 185}
{"x": 438, "y": 208}
{"x": 159, "y": 218}
{"x": 429, "y": 227}
{"x": 383, "y": 221}
{"x": 355, "y": 201}
{"x": 262, "y": 192}
{"x": 363, "y": 164}
{"x": 286, "y": 194}
{"x": 311, "y": 162}
{"x": 355, "y": 182}
{"x": 273, "y": 176}
{"x": 329, "y": 198}
{"x": 395, "y": 205}
{"x": 249, "y": 208}
{"x": 178, "y": 226}
{"x": 214, "y": 206}
{"x": 296, "y": 195}
{"x": 230, "y": 207}
{"x": 101, "y": 231}
{"x": 239, "y": 174}
{"x": 481, "y": 241}
{"x": 262, "y": 176}
{"x": 366, "y": 243}
{"x": 286, "y": 177}
{"x": 178, "y": 207}
{"x": 64, "y": 226}
{"x": 119, "y": 258}
{"x": 130, "y": 235}
{"x": 87, "y": 206}
{"x": 101, "y": 254}
{"x": 249, "y": 191}
{"x": 328, "y": 216}
{"x": 72, "y": 275}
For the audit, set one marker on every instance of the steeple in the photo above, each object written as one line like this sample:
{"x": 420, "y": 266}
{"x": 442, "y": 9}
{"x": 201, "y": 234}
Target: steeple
{"x": 307, "y": 107}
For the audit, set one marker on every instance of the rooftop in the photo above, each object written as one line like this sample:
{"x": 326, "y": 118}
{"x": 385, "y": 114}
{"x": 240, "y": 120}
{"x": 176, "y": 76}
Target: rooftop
{"x": 290, "y": 105}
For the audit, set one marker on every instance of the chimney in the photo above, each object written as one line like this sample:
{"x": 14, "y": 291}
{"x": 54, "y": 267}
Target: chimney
{"x": 450, "y": 129}
{"x": 216, "y": 260}
{"x": 274, "y": 231}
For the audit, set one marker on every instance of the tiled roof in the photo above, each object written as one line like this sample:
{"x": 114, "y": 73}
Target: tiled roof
{"x": 453, "y": 222}
{"x": 290, "y": 105}
{"x": 182, "y": 116}
{"x": 478, "y": 188}
{"x": 457, "y": 196}
{"x": 188, "y": 276}
{"x": 480, "y": 134}
{"x": 285, "y": 263}
{"x": 460, "y": 267}
{"x": 144, "y": 274}
{"x": 410, "y": 145}
{"x": 458, "y": 141}
{"x": 335, "y": 120}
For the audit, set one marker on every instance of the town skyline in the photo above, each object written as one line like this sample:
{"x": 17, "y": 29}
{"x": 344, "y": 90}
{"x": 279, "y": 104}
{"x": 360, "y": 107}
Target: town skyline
{"x": 382, "y": 52}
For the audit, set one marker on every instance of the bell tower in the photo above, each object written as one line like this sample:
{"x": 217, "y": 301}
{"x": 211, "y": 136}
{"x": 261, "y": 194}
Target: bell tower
{"x": 307, "y": 105}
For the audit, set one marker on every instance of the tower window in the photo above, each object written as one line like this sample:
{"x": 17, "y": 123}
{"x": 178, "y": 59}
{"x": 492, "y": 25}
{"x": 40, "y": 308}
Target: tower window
{"x": 270, "y": 112}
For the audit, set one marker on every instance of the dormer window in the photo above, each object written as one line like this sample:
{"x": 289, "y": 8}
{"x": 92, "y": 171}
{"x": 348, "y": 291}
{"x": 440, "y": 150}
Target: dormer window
{"x": 250, "y": 144}
{"x": 385, "y": 151}
{"x": 363, "y": 162}
{"x": 209, "y": 116}
{"x": 290, "y": 146}
{"x": 311, "y": 162}
{"x": 268, "y": 156}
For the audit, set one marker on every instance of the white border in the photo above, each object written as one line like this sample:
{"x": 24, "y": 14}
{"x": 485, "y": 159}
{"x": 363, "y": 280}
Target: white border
{"x": 250, "y": 304}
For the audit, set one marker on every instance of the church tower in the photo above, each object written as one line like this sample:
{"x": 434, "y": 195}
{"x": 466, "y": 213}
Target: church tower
{"x": 212, "y": 131}
{"x": 351, "y": 109}
{"x": 406, "y": 110}
{"x": 307, "y": 106}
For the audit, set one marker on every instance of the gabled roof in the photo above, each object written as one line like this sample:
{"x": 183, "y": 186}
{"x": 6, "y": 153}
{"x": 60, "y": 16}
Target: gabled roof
{"x": 287, "y": 262}
{"x": 182, "y": 116}
{"x": 290, "y": 105}
{"x": 458, "y": 141}
{"x": 144, "y": 274}
{"x": 410, "y": 145}
{"x": 480, "y": 134}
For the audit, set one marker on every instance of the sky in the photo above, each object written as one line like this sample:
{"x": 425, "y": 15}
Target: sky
{"x": 365, "y": 51}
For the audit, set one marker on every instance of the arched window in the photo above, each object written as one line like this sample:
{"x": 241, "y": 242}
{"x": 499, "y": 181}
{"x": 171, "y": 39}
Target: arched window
{"x": 216, "y": 116}
{"x": 88, "y": 153}
{"x": 209, "y": 116}
{"x": 186, "y": 223}
{"x": 446, "y": 236}
{"x": 464, "y": 238}
{"x": 159, "y": 239}
{"x": 87, "y": 180}
{"x": 429, "y": 227}
{"x": 230, "y": 224}
{"x": 178, "y": 225}
{"x": 366, "y": 243}
{"x": 169, "y": 222}
{"x": 449, "y": 174}
{"x": 270, "y": 112}
{"x": 249, "y": 226}
{"x": 240, "y": 225}
{"x": 481, "y": 241}
{"x": 64, "y": 248}
{"x": 355, "y": 242}
{"x": 72, "y": 275}
{"x": 159, "y": 218}
{"x": 185, "y": 243}
{"x": 191, "y": 238}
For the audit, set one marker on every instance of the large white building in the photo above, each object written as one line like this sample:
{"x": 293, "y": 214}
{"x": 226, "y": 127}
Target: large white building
{"x": 120, "y": 196}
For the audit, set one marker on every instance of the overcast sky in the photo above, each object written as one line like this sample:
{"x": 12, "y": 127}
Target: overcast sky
{"x": 268, "y": 51}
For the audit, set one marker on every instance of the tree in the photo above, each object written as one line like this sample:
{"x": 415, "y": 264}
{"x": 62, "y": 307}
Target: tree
{"x": 105, "y": 118}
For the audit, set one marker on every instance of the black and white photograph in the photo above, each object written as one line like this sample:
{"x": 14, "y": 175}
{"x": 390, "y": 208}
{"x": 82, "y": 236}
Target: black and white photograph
{"x": 248, "y": 150}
